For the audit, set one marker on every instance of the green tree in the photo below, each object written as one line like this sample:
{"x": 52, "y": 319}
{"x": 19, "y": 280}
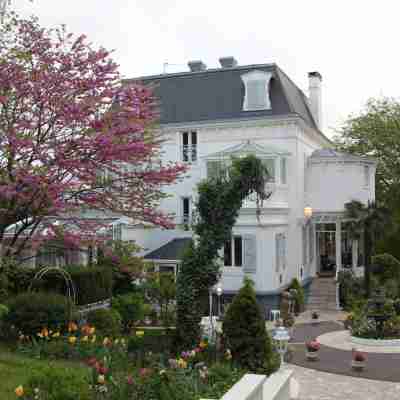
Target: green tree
{"x": 220, "y": 200}
{"x": 375, "y": 132}
{"x": 246, "y": 335}
{"x": 369, "y": 221}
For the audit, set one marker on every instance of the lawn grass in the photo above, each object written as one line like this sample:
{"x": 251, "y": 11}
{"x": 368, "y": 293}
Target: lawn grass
{"x": 15, "y": 370}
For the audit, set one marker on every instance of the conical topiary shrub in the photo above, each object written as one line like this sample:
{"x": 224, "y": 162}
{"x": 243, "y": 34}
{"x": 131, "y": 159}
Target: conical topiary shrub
{"x": 245, "y": 333}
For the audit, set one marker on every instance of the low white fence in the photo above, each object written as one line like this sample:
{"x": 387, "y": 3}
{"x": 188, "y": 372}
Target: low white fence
{"x": 94, "y": 306}
{"x": 261, "y": 387}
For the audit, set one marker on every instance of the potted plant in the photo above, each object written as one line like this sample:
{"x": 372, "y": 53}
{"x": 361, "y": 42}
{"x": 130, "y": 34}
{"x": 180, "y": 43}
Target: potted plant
{"x": 312, "y": 350}
{"x": 314, "y": 317}
{"x": 359, "y": 360}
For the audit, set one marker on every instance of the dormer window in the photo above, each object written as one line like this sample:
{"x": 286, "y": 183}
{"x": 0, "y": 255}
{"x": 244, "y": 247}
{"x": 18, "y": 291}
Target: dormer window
{"x": 256, "y": 95}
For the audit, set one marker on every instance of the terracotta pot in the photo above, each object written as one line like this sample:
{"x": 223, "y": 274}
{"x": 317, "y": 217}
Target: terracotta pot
{"x": 312, "y": 355}
{"x": 358, "y": 365}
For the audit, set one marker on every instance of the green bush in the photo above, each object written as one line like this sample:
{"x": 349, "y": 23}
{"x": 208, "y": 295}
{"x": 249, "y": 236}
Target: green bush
{"x": 351, "y": 289}
{"x": 3, "y": 311}
{"x": 245, "y": 333}
{"x": 299, "y": 296}
{"x": 91, "y": 283}
{"x": 155, "y": 340}
{"x": 130, "y": 307}
{"x": 388, "y": 267}
{"x": 59, "y": 384}
{"x": 107, "y": 321}
{"x": 30, "y": 312}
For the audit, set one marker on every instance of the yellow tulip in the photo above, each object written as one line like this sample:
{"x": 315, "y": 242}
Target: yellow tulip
{"x": 19, "y": 391}
{"x": 106, "y": 341}
{"x": 56, "y": 334}
{"x": 92, "y": 330}
{"x": 140, "y": 333}
{"x": 85, "y": 339}
{"x": 72, "y": 339}
{"x": 101, "y": 379}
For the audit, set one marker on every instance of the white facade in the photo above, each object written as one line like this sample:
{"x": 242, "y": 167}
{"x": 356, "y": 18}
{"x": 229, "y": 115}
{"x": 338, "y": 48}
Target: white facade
{"x": 280, "y": 244}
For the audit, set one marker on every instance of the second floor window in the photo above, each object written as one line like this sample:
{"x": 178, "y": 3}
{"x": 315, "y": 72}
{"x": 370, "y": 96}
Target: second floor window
{"x": 189, "y": 146}
{"x": 233, "y": 252}
{"x": 186, "y": 212}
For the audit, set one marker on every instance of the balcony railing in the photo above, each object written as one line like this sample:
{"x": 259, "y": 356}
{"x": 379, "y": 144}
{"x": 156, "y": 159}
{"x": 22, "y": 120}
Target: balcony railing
{"x": 189, "y": 153}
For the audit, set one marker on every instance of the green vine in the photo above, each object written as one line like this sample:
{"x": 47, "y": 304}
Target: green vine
{"x": 218, "y": 205}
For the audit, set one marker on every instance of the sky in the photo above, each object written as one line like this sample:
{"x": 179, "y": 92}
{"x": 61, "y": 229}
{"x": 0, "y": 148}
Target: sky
{"x": 352, "y": 43}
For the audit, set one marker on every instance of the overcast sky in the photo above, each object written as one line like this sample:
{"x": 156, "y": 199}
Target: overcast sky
{"x": 354, "y": 44}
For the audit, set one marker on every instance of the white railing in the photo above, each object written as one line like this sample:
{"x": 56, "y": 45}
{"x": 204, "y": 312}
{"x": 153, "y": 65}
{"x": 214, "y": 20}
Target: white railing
{"x": 261, "y": 387}
{"x": 188, "y": 152}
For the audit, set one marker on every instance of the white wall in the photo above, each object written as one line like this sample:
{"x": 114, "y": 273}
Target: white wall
{"x": 281, "y": 213}
{"x": 332, "y": 184}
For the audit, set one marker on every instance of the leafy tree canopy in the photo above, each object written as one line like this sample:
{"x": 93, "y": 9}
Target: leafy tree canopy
{"x": 72, "y": 136}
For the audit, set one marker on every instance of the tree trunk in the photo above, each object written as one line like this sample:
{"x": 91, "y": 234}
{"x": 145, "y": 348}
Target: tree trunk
{"x": 367, "y": 260}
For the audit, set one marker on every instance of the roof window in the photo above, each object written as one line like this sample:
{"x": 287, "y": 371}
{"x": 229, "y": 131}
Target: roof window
{"x": 256, "y": 90}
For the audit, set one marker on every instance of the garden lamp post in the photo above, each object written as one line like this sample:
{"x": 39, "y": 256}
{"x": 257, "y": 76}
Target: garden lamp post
{"x": 211, "y": 320}
{"x": 308, "y": 212}
{"x": 219, "y": 293}
{"x": 281, "y": 338}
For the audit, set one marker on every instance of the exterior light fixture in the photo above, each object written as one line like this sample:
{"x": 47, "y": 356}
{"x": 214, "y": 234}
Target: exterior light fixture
{"x": 308, "y": 211}
{"x": 281, "y": 338}
{"x": 219, "y": 293}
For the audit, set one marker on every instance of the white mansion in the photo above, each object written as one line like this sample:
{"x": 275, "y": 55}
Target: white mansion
{"x": 210, "y": 115}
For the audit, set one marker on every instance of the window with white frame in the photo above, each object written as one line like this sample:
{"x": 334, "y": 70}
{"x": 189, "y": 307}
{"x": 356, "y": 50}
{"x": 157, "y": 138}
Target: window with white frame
{"x": 233, "y": 252}
{"x": 188, "y": 141}
{"x": 280, "y": 246}
{"x": 186, "y": 211}
{"x": 256, "y": 95}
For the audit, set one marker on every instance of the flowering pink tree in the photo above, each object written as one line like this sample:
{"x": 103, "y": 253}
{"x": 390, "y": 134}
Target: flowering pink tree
{"x": 72, "y": 137}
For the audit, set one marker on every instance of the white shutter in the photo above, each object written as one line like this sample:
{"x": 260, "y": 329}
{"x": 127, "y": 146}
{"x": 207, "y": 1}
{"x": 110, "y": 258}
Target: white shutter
{"x": 250, "y": 253}
{"x": 256, "y": 95}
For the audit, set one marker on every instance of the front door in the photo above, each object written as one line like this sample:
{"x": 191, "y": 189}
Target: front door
{"x": 326, "y": 248}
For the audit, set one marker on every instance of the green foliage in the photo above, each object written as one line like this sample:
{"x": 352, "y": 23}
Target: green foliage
{"x": 3, "y": 311}
{"x": 388, "y": 267}
{"x": 154, "y": 339}
{"x": 220, "y": 200}
{"x": 59, "y": 384}
{"x": 92, "y": 283}
{"x": 371, "y": 222}
{"x": 107, "y": 321}
{"x": 299, "y": 297}
{"x": 286, "y": 316}
{"x": 119, "y": 256}
{"x": 351, "y": 289}
{"x": 130, "y": 307}
{"x": 246, "y": 335}
{"x": 160, "y": 288}
{"x": 375, "y": 131}
{"x": 30, "y": 312}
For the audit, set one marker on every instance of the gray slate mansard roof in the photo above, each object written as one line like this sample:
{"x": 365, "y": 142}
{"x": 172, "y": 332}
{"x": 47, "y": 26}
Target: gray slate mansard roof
{"x": 173, "y": 250}
{"x": 217, "y": 94}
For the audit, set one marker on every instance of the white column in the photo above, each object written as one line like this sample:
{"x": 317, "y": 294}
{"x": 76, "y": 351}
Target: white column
{"x": 338, "y": 238}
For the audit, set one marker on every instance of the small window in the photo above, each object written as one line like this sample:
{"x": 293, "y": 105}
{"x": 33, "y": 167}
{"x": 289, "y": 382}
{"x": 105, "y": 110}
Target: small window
{"x": 270, "y": 165}
{"x": 283, "y": 171}
{"x": 233, "y": 252}
{"x": 189, "y": 146}
{"x": 256, "y": 95}
{"x": 186, "y": 212}
{"x": 216, "y": 169}
{"x": 366, "y": 175}
{"x": 280, "y": 248}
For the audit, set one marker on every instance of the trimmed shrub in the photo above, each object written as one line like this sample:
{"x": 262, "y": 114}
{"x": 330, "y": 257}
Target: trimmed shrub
{"x": 91, "y": 283}
{"x": 130, "y": 307}
{"x": 299, "y": 296}
{"x": 30, "y": 312}
{"x": 246, "y": 336}
{"x": 107, "y": 321}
